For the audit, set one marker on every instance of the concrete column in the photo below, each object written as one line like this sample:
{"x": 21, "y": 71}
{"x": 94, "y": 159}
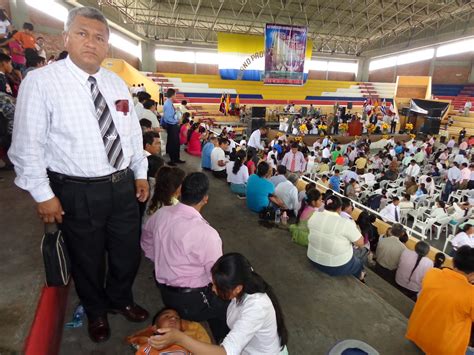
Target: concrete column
{"x": 471, "y": 74}
{"x": 19, "y": 13}
{"x": 432, "y": 66}
{"x": 363, "y": 69}
{"x": 148, "y": 62}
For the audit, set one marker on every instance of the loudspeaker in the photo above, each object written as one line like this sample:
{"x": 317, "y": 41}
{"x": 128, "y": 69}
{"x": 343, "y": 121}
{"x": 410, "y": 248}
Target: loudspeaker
{"x": 431, "y": 126}
{"x": 304, "y": 111}
{"x": 405, "y": 111}
{"x": 349, "y": 105}
{"x": 259, "y": 112}
{"x": 435, "y": 112}
{"x": 343, "y": 111}
{"x": 255, "y": 123}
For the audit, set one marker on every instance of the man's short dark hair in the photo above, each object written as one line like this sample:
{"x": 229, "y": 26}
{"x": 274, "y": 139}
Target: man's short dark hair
{"x": 281, "y": 170}
{"x": 170, "y": 93}
{"x": 148, "y": 104}
{"x": 34, "y": 61}
{"x": 28, "y": 26}
{"x": 184, "y": 102}
{"x": 464, "y": 259}
{"x": 346, "y": 202}
{"x": 142, "y": 96}
{"x": 263, "y": 168}
{"x": 145, "y": 123}
{"x": 5, "y": 58}
{"x": 294, "y": 145}
{"x": 149, "y": 137}
{"x": 223, "y": 141}
{"x": 194, "y": 188}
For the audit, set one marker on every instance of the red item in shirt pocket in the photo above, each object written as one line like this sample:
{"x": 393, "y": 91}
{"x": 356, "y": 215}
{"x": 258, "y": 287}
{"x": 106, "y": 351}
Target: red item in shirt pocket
{"x": 122, "y": 106}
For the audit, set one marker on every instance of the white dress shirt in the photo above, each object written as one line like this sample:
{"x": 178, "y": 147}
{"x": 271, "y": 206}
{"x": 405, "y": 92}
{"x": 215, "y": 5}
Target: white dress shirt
{"x": 56, "y": 128}
{"x": 388, "y": 212}
{"x": 240, "y": 178}
{"x": 217, "y": 155}
{"x": 288, "y": 193}
{"x": 454, "y": 174}
{"x": 139, "y": 109}
{"x": 413, "y": 170}
{"x": 326, "y": 153}
{"x": 255, "y": 140}
{"x": 300, "y": 162}
{"x": 150, "y": 116}
{"x": 461, "y": 239}
{"x": 253, "y": 327}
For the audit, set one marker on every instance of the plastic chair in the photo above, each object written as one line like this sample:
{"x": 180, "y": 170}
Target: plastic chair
{"x": 424, "y": 227}
{"x": 448, "y": 239}
{"x": 441, "y": 222}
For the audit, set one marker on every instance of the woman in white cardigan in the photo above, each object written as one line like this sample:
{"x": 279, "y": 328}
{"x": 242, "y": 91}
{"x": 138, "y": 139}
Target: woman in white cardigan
{"x": 254, "y": 314}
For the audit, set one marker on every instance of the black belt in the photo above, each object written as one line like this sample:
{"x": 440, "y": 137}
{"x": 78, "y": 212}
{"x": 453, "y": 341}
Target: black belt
{"x": 113, "y": 178}
{"x": 183, "y": 289}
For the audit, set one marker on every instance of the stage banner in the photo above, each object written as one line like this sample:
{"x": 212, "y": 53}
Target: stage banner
{"x": 285, "y": 49}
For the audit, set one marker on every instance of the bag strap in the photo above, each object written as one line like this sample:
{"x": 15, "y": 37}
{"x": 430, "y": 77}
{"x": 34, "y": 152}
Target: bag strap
{"x": 50, "y": 228}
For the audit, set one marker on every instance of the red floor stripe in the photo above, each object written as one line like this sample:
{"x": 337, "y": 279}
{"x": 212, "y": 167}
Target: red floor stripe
{"x": 47, "y": 328}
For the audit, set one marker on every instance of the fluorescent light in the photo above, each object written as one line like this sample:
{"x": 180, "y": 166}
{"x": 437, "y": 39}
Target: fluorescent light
{"x": 416, "y": 56}
{"x": 50, "y": 7}
{"x": 343, "y": 67}
{"x": 383, "y": 63}
{"x": 60, "y": 12}
{"x": 455, "y": 48}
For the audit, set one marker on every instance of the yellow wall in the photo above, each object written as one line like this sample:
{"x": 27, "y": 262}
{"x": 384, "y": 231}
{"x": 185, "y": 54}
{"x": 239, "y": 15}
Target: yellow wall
{"x": 131, "y": 75}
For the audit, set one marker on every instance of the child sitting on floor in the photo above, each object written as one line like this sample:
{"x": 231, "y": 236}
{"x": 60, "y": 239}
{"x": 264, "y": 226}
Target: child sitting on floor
{"x": 167, "y": 318}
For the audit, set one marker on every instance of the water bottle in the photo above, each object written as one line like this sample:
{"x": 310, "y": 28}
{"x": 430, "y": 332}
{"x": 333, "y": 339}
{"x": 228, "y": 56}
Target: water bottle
{"x": 284, "y": 218}
{"x": 277, "y": 216}
{"x": 76, "y": 318}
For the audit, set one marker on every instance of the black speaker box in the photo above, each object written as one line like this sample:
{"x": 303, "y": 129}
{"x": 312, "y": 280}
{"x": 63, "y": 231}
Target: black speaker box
{"x": 259, "y": 111}
{"x": 349, "y": 105}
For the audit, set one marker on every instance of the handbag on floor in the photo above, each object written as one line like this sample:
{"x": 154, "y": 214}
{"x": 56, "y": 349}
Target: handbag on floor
{"x": 57, "y": 265}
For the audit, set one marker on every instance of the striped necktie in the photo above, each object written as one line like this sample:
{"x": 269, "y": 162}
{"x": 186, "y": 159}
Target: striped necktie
{"x": 110, "y": 136}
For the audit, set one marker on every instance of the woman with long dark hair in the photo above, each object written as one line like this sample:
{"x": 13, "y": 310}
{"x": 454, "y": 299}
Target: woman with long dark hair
{"x": 254, "y": 314}
{"x": 311, "y": 203}
{"x": 412, "y": 268}
{"x": 194, "y": 146}
{"x": 167, "y": 190}
{"x": 238, "y": 173}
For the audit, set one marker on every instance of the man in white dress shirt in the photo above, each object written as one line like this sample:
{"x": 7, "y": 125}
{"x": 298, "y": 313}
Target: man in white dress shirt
{"x": 255, "y": 142}
{"x": 391, "y": 212}
{"x": 412, "y": 170}
{"x": 288, "y": 193}
{"x": 294, "y": 160}
{"x": 77, "y": 148}
{"x": 454, "y": 178}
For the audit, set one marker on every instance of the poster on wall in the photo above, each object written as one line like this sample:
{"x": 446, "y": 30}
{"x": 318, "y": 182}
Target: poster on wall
{"x": 285, "y": 50}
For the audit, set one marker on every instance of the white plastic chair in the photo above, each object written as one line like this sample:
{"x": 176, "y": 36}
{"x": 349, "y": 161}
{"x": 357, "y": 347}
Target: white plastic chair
{"x": 424, "y": 227}
{"x": 448, "y": 240}
{"x": 441, "y": 222}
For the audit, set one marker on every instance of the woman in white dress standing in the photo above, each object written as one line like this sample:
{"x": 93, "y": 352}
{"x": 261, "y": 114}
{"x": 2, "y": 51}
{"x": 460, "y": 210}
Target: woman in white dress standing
{"x": 254, "y": 315}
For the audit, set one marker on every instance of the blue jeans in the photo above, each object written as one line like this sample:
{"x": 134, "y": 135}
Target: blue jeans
{"x": 352, "y": 267}
{"x": 240, "y": 189}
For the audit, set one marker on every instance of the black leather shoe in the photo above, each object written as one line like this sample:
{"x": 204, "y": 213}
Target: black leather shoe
{"x": 99, "y": 329}
{"x": 133, "y": 313}
{"x": 180, "y": 161}
{"x": 171, "y": 163}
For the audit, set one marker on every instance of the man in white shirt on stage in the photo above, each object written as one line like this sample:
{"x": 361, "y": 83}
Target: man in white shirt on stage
{"x": 255, "y": 142}
{"x": 294, "y": 160}
{"x": 391, "y": 212}
{"x": 77, "y": 148}
{"x": 467, "y": 108}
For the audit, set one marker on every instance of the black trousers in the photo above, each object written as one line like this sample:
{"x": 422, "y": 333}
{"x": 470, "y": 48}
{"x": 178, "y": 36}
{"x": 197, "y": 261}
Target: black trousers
{"x": 172, "y": 143}
{"x": 198, "y": 307}
{"x": 101, "y": 223}
{"x": 161, "y": 99}
{"x": 222, "y": 174}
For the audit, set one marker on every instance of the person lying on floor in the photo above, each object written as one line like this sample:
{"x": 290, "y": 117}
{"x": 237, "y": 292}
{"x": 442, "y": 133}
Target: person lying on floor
{"x": 167, "y": 318}
{"x": 254, "y": 314}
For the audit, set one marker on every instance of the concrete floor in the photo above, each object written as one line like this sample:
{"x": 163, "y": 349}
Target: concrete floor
{"x": 319, "y": 310}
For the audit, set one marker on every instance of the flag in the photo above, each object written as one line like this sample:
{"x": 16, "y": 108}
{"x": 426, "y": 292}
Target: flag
{"x": 383, "y": 107}
{"x": 222, "y": 104}
{"x": 390, "y": 109}
{"x": 237, "y": 101}
{"x": 227, "y": 104}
